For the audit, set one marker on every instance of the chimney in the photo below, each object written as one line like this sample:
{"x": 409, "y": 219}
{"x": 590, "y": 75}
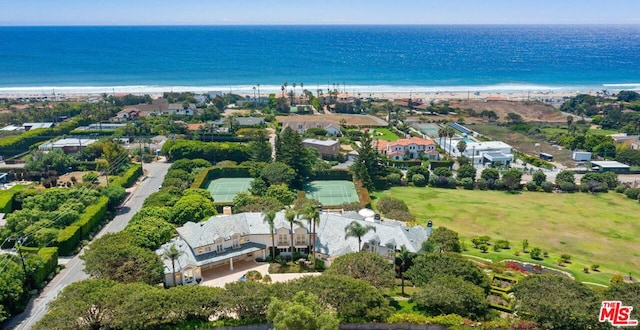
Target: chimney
{"x": 226, "y": 210}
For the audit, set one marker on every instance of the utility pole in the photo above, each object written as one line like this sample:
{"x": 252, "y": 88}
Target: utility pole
{"x": 24, "y": 267}
{"x": 141, "y": 161}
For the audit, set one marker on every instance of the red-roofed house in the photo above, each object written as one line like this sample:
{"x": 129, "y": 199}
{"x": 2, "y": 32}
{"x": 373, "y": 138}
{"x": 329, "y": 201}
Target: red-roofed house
{"x": 412, "y": 148}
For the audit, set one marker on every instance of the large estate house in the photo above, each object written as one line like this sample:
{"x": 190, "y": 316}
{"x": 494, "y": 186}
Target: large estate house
{"x": 413, "y": 148}
{"x": 488, "y": 152}
{"x": 225, "y": 240}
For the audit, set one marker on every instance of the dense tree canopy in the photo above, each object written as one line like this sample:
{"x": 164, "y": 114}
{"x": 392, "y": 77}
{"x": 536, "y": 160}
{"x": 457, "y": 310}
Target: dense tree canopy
{"x": 367, "y": 266}
{"x": 291, "y": 151}
{"x": 428, "y": 266}
{"x": 55, "y": 160}
{"x": 556, "y": 302}
{"x": 150, "y": 232}
{"x": 442, "y": 239}
{"x": 304, "y": 311}
{"x": 448, "y": 294}
{"x": 192, "y": 207}
{"x": 115, "y": 257}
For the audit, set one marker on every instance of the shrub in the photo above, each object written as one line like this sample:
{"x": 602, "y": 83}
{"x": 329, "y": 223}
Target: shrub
{"x": 400, "y": 215}
{"x": 388, "y": 204}
{"x": 442, "y": 171}
{"x": 483, "y": 247}
{"x": 418, "y": 180}
{"x": 595, "y": 267}
{"x": 531, "y": 186}
{"x": 6, "y": 200}
{"x": 482, "y": 184}
{"x": 535, "y": 253}
{"x": 621, "y": 189}
{"x": 546, "y": 186}
{"x": 467, "y": 183}
{"x": 567, "y": 186}
{"x": 502, "y": 244}
{"x": 632, "y": 193}
{"x": 394, "y": 178}
{"x": 68, "y": 239}
{"x": 565, "y": 258}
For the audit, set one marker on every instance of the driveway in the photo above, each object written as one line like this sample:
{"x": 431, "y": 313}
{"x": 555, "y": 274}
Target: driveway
{"x": 221, "y": 275}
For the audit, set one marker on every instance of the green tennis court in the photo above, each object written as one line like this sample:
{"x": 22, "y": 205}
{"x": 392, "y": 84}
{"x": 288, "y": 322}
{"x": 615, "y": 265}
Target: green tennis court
{"x": 224, "y": 190}
{"x": 332, "y": 192}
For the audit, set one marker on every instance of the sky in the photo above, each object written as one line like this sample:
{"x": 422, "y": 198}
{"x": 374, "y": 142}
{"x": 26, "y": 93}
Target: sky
{"x": 304, "y": 12}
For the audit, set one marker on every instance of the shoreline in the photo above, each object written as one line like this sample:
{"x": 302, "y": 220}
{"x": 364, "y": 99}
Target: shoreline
{"x": 425, "y": 93}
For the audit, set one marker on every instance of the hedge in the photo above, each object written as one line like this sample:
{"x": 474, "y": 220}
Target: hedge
{"x": 440, "y": 163}
{"x": 211, "y": 151}
{"x": 14, "y": 145}
{"x": 213, "y": 173}
{"x": 363, "y": 194}
{"x": 50, "y": 257}
{"x": 92, "y": 215}
{"x": 129, "y": 177}
{"x": 6, "y": 200}
{"x": 68, "y": 239}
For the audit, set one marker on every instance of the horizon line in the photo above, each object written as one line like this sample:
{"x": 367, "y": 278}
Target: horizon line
{"x": 321, "y": 24}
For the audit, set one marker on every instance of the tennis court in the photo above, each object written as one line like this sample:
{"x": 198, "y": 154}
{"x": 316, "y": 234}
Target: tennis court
{"x": 224, "y": 190}
{"x": 428, "y": 128}
{"x": 332, "y": 192}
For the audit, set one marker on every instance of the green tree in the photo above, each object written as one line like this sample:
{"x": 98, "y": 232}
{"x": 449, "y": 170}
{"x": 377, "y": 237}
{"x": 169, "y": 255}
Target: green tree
{"x": 150, "y": 232}
{"x": 291, "y": 216}
{"x": 556, "y": 302}
{"x": 429, "y": 266}
{"x": 53, "y": 160}
{"x": 512, "y": 179}
{"x": 277, "y": 173}
{"x": 466, "y": 171}
{"x": 355, "y": 301}
{"x": 172, "y": 253}
{"x": 281, "y": 192}
{"x": 565, "y": 176}
{"x": 192, "y": 207}
{"x": 247, "y": 300}
{"x": 304, "y": 311}
{"x": 291, "y": 151}
{"x": 441, "y": 240}
{"x": 366, "y": 266}
{"x": 462, "y": 146}
{"x": 539, "y": 177}
{"x": 490, "y": 174}
{"x": 367, "y": 166}
{"x": 115, "y": 257}
{"x": 311, "y": 212}
{"x": 112, "y": 153}
{"x": 14, "y": 293}
{"x": 403, "y": 260}
{"x": 357, "y": 230}
{"x": 448, "y": 294}
{"x": 259, "y": 150}
{"x": 268, "y": 217}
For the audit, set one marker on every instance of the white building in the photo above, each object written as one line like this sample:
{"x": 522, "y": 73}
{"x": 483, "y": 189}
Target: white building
{"x": 494, "y": 152}
{"x": 225, "y": 240}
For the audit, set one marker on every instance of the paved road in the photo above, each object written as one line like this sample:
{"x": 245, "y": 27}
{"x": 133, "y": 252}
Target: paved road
{"x": 74, "y": 270}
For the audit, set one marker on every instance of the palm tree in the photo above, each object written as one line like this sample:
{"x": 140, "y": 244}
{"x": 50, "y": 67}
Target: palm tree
{"x": 441, "y": 133}
{"x": 294, "y": 91}
{"x": 450, "y": 134}
{"x": 286, "y": 84}
{"x": 282, "y": 88}
{"x": 355, "y": 229}
{"x": 269, "y": 217}
{"x": 462, "y": 146}
{"x": 292, "y": 218}
{"x": 258, "y": 92}
{"x": 172, "y": 253}
{"x": 404, "y": 256}
{"x": 312, "y": 214}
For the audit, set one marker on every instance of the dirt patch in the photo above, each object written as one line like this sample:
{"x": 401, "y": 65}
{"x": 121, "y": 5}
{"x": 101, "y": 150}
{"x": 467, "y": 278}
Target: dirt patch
{"x": 530, "y": 111}
{"x": 351, "y": 120}
{"x": 63, "y": 179}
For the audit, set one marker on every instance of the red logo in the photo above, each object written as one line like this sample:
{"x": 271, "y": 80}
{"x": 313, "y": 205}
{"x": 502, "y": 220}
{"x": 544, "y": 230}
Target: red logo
{"x": 616, "y": 314}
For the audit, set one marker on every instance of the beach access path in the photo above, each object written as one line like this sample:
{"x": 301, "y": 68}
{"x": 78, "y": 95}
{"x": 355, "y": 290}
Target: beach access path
{"x": 74, "y": 269}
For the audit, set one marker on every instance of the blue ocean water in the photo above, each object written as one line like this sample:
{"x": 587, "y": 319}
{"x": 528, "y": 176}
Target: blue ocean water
{"x": 355, "y": 57}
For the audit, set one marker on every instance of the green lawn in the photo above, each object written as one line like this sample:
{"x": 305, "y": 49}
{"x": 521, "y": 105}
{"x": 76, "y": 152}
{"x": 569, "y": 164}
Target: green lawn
{"x": 594, "y": 229}
{"x": 385, "y": 134}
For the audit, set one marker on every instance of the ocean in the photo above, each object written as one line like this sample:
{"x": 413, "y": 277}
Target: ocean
{"x": 357, "y": 59}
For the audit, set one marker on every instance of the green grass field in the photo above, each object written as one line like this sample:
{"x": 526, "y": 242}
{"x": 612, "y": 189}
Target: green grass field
{"x": 554, "y": 130}
{"x": 387, "y": 135}
{"x": 594, "y": 229}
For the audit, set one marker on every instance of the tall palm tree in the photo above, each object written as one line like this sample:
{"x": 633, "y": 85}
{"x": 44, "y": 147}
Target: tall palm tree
{"x": 269, "y": 217}
{"x": 172, "y": 253}
{"x": 258, "y": 92}
{"x": 404, "y": 256}
{"x": 355, "y": 229}
{"x": 441, "y": 133}
{"x": 312, "y": 214}
{"x": 286, "y": 84}
{"x": 292, "y": 218}
{"x": 294, "y": 91}
{"x": 450, "y": 134}
{"x": 282, "y": 88}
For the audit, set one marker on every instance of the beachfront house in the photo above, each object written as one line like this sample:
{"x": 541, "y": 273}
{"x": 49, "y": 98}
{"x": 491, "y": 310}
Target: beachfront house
{"x": 70, "y": 146}
{"x": 181, "y": 109}
{"x": 413, "y": 148}
{"x": 488, "y": 152}
{"x": 326, "y": 148}
{"x": 332, "y": 128}
{"x": 224, "y": 241}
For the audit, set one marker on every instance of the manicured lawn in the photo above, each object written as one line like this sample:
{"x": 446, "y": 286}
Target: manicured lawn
{"x": 594, "y": 229}
{"x": 385, "y": 134}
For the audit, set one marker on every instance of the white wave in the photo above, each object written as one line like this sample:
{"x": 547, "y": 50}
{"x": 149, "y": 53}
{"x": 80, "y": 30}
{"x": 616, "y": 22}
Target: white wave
{"x": 264, "y": 90}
